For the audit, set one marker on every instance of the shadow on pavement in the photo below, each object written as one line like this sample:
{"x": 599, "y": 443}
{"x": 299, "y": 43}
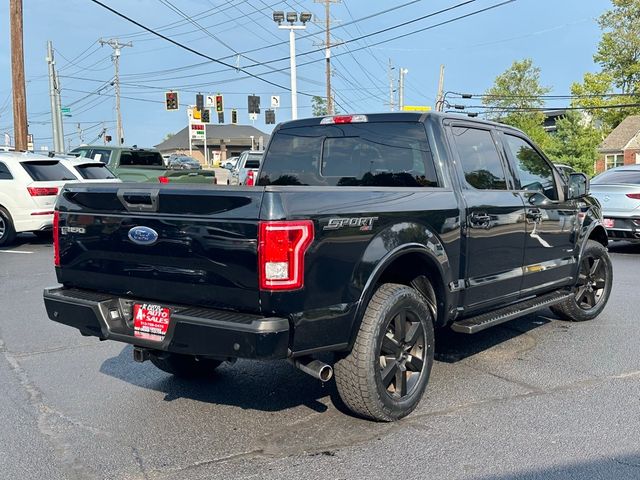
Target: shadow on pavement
{"x": 266, "y": 386}
{"x": 27, "y": 239}
{"x": 624, "y": 247}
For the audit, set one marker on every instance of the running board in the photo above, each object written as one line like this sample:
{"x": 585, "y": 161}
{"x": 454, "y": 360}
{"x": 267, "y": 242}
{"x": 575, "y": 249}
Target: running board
{"x": 496, "y": 317}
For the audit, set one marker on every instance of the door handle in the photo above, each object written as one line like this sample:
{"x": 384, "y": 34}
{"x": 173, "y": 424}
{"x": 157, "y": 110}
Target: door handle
{"x": 479, "y": 220}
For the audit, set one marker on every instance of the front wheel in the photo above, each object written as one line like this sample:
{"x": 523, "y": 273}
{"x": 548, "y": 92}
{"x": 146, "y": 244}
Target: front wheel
{"x": 593, "y": 286}
{"x": 385, "y": 374}
{"x": 184, "y": 366}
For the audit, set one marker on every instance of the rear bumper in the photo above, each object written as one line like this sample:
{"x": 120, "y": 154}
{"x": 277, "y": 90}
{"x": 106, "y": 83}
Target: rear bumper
{"x": 33, "y": 221}
{"x": 624, "y": 228}
{"x": 192, "y": 331}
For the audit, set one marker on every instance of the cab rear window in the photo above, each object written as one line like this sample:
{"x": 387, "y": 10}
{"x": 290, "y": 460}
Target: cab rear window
{"x": 94, "y": 172}
{"x": 47, "y": 171}
{"x": 141, "y": 159}
{"x": 392, "y": 154}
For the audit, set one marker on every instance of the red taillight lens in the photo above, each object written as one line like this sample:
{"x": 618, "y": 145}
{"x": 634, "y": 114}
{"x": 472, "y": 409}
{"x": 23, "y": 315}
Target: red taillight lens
{"x": 42, "y": 191}
{"x": 281, "y": 249}
{"x": 250, "y": 178}
{"x": 56, "y": 238}
{"x": 337, "y": 119}
{"x": 635, "y": 196}
{"x": 163, "y": 179}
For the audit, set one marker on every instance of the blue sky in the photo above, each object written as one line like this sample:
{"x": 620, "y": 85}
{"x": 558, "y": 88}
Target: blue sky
{"x": 560, "y": 36}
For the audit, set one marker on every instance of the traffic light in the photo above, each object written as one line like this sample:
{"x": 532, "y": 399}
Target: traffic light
{"x": 220, "y": 117}
{"x": 254, "y": 104}
{"x": 199, "y": 101}
{"x": 206, "y": 116}
{"x": 171, "y": 101}
{"x": 219, "y": 106}
{"x": 269, "y": 117}
{"x": 234, "y": 116}
{"x": 107, "y": 138}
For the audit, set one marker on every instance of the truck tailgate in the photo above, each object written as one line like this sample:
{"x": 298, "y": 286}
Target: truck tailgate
{"x": 185, "y": 244}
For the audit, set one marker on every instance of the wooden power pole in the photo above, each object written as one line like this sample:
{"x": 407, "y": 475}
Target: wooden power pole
{"x": 327, "y": 51}
{"x": 20, "y": 129}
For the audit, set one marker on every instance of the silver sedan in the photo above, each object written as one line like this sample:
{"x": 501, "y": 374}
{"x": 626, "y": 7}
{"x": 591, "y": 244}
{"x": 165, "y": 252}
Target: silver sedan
{"x": 618, "y": 191}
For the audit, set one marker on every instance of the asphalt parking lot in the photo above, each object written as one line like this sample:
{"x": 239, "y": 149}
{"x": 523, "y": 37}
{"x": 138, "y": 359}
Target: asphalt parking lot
{"x": 535, "y": 398}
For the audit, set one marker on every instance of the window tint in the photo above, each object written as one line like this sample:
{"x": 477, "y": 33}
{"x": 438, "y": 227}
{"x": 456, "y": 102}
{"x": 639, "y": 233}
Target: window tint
{"x": 94, "y": 171}
{"x": 5, "y": 174}
{"x": 101, "y": 155}
{"x": 618, "y": 176}
{"x": 252, "y": 163}
{"x": 142, "y": 159}
{"x": 480, "y": 160}
{"x": 394, "y": 154}
{"x": 534, "y": 172}
{"x": 47, "y": 171}
{"x": 81, "y": 152}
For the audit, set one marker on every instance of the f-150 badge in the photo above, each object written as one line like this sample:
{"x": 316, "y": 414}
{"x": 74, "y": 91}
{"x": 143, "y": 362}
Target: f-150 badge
{"x": 365, "y": 224}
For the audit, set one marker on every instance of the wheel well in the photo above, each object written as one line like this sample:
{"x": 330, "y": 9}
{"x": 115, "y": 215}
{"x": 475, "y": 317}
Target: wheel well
{"x": 412, "y": 269}
{"x": 599, "y": 235}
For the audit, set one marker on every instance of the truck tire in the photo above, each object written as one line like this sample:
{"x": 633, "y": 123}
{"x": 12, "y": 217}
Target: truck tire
{"x": 384, "y": 376}
{"x": 184, "y": 366}
{"x": 7, "y": 230}
{"x": 592, "y": 290}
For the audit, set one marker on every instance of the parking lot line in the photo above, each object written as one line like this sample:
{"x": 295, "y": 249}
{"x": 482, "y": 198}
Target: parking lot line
{"x": 16, "y": 251}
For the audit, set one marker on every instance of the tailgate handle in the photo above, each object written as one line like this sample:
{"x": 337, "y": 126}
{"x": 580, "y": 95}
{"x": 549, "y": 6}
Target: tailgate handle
{"x": 139, "y": 200}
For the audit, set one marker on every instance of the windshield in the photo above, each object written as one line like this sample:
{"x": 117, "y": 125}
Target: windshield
{"x": 614, "y": 177}
{"x": 47, "y": 171}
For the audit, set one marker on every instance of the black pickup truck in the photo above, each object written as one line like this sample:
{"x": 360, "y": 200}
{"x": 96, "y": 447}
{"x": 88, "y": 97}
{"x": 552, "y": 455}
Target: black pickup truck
{"x": 363, "y": 234}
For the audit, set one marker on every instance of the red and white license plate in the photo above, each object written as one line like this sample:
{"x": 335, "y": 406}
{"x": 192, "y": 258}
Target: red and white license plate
{"x": 608, "y": 222}
{"x": 150, "y": 321}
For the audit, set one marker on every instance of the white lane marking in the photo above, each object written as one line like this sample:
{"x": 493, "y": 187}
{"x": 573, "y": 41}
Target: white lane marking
{"x": 15, "y": 251}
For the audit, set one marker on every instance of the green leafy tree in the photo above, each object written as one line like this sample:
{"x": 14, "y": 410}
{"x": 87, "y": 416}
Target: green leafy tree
{"x": 514, "y": 98}
{"x": 619, "y": 58}
{"x": 577, "y": 142}
{"x": 319, "y": 106}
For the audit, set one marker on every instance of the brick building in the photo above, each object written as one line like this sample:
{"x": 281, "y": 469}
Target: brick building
{"x": 622, "y": 146}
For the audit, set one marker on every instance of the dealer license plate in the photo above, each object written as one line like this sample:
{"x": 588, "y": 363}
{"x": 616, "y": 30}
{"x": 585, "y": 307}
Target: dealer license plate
{"x": 150, "y": 321}
{"x": 608, "y": 222}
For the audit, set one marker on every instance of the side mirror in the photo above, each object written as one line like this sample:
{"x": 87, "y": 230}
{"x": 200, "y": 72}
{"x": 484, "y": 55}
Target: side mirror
{"x": 578, "y": 186}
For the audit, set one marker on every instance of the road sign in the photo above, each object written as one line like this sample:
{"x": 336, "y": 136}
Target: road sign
{"x": 210, "y": 101}
{"x": 416, "y": 108}
{"x": 197, "y": 131}
{"x": 275, "y": 101}
{"x": 65, "y": 110}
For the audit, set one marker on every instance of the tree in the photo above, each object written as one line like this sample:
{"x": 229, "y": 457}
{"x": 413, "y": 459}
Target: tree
{"x": 576, "y": 142}
{"x": 168, "y": 136}
{"x": 514, "y": 98}
{"x": 319, "y": 106}
{"x": 619, "y": 58}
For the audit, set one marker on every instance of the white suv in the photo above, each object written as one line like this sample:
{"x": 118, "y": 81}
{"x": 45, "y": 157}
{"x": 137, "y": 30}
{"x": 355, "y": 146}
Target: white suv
{"x": 29, "y": 185}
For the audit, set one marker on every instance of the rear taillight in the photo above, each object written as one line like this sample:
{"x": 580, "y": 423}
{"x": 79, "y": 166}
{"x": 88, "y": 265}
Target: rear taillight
{"x": 281, "y": 249}
{"x": 42, "y": 191}
{"x": 56, "y": 238}
{"x": 163, "y": 179}
{"x": 250, "y": 178}
{"x": 635, "y": 196}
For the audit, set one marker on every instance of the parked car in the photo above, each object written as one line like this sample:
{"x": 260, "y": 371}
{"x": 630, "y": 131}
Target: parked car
{"x": 246, "y": 170}
{"x": 230, "y": 163}
{"x": 133, "y": 164}
{"x": 184, "y": 162}
{"x": 29, "y": 185}
{"x": 87, "y": 170}
{"x": 408, "y": 222}
{"x": 618, "y": 191}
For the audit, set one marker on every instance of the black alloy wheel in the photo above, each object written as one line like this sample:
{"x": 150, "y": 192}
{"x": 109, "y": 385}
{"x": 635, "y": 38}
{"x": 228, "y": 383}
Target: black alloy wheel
{"x": 589, "y": 290}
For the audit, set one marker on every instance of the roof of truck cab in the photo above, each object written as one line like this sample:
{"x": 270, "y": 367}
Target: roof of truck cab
{"x": 398, "y": 117}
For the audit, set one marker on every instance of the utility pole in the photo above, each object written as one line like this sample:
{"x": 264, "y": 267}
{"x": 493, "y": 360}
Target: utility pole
{"x": 20, "y": 127}
{"x": 116, "y": 45}
{"x": 403, "y": 72}
{"x": 327, "y": 50}
{"x": 54, "y": 96}
{"x": 392, "y": 97}
{"x": 440, "y": 100}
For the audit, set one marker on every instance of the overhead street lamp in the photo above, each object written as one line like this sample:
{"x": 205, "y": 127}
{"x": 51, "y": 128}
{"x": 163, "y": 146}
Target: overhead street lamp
{"x": 292, "y": 18}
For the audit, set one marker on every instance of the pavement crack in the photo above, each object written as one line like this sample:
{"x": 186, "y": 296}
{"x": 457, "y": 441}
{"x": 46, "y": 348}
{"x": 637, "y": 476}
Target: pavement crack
{"x": 526, "y": 386}
{"x": 140, "y": 462}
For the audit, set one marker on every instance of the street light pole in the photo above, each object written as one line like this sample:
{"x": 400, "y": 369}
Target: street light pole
{"x": 292, "y": 18}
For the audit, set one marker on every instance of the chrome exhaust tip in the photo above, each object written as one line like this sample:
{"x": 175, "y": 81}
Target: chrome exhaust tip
{"x": 315, "y": 368}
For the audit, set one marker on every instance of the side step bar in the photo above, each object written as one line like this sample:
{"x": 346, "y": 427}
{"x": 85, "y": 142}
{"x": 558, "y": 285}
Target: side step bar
{"x": 496, "y": 317}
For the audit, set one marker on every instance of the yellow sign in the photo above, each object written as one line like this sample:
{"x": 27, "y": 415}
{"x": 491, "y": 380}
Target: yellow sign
{"x": 196, "y": 113}
{"x": 416, "y": 108}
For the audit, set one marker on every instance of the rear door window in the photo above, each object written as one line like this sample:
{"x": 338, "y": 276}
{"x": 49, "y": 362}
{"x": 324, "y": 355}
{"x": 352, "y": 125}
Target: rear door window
{"x": 94, "y": 171}
{"x": 5, "y": 174}
{"x": 141, "y": 159}
{"x": 392, "y": 154}
{"x": 47, "y": 171}
{"x": 481, "y": 162}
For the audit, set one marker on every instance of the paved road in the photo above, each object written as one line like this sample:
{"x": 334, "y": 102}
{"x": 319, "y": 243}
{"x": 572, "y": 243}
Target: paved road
{"x": 537, "y": 398}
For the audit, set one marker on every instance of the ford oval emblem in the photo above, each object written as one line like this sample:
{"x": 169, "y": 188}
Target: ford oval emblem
{"x": 143, "y": 235}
